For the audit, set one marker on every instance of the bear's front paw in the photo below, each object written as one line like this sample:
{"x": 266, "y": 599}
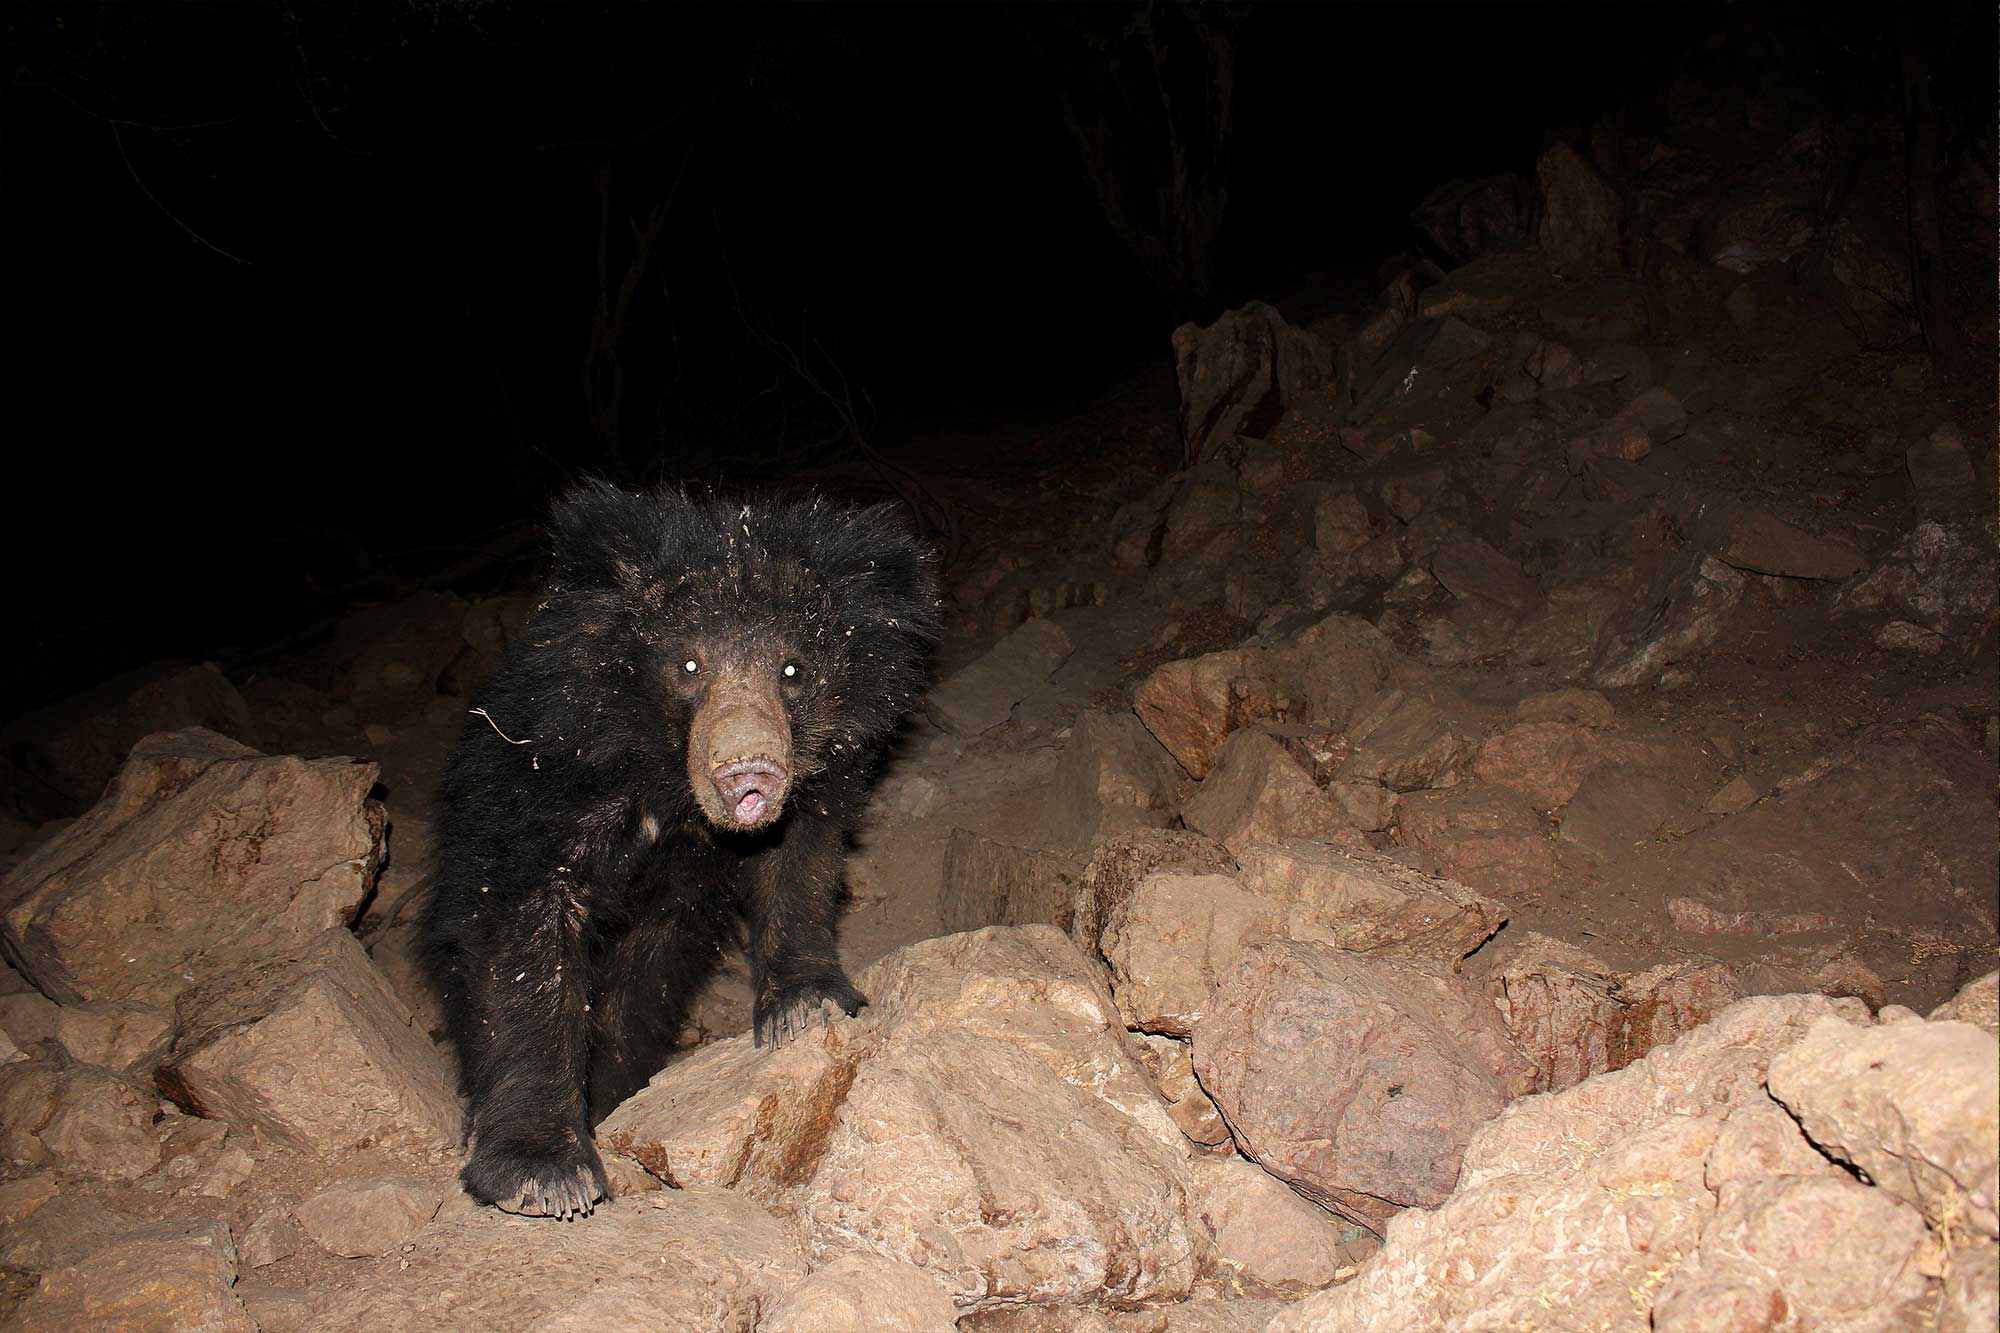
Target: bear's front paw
{"x": 564, "y": 1183}
{"x": 788, "y": 1010}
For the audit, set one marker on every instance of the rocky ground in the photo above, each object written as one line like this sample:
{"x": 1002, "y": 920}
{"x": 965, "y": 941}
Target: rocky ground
{"x": 1470, "y": 808}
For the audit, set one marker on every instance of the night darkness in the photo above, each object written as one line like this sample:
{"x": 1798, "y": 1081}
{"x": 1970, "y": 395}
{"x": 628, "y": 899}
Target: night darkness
{"x": 303, "y": 296}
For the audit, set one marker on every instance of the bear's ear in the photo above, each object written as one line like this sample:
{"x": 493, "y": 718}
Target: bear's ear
{"x": 889, "y": 574}
{"x": 604, "y": 536}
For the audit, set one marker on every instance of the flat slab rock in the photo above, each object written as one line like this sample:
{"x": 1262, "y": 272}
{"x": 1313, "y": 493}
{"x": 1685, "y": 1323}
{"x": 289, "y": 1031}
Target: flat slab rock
{"x": 980, "y": 696}
{"x": 1367, "y": 903}
{"x": 1358, "y": 1080}
{"x": 699, "y": 1258}
{"x": 203, "y": 852}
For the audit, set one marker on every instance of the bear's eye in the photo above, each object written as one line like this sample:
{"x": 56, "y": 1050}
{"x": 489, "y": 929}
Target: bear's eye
{"x": 690, "y": 666}
{"x": 791, "y": 670}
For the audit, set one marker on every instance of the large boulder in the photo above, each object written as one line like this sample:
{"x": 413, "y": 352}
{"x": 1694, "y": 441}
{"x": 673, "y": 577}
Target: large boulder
{"x": 203, "y": 854}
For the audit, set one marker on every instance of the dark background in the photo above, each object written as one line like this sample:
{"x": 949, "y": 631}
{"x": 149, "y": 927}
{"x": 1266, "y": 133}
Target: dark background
{"x": 302, "y": 295}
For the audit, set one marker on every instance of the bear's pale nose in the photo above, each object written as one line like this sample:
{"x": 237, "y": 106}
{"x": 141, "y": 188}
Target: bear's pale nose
{"x": 751, "y": 787}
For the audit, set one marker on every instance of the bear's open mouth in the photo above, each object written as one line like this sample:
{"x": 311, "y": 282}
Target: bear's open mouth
{"x": 751, "y": 789}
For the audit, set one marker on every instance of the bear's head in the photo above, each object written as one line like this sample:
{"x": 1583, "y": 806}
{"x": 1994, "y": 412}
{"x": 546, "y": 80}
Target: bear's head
{"x": 761, "y": 642}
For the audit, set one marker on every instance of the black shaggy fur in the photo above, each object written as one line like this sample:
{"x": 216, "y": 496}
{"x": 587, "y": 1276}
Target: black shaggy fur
{"x": 583, "y": 893}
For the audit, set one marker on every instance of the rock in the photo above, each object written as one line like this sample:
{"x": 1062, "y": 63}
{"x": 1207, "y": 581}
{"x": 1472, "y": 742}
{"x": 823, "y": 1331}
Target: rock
{"x": 1191, "y": 705}
{"x": 1238, "y": 373}
{"x": 65, "y": 754}
{"x": 1765, "y": 544}
{"x": 358, "y": 1219}
{"x": 989, "y": 883}
{"x": 1337, "y": 664}
{"x": 1405, "y": 494}
{"x": 1365, "y": 903}
{"x": 276, "y": 1309}
{"x": 317, "y": 1053}
{"x": 272, "y": 1237}
{"x": 1263, "y": 1236}
{"x": 1572, "y": 1016}
{"x": 1939, "y": 464}
{"x": 1122, "y": 861}
{"x": 1941, "y": 576}
{"x": 20, "y": 1198}
{"x": 1903, "y": 637}
{"x": 1418, "y": 348}
{"x": 1357, "y": 1080}
{"x": 1734, "y": 797}
{"x": 86, "y": 1120}
{"x": 981, "y": 696}
{"x": 1971, "y": 1301}
{"x": 396, "y": 653}
{"x": 1580, "y": 213}
{"x": 1916, "y": 1106}
{"x": 1614, "y": 1173}
{"x": 1113, "y": 777}
{"x": 397, "y": 954}
{"x": 699, "y": 1258}
{"x": 1473, "y": 569}
{"x": 863, "y": 1293}
{"x": 1256, "y": 792}
{"x": 168, "y": 1276}
{"x": 1172, "y": 1065}
{"x": 977, "y": 1161}
{"x": 211, "y": 852}
{"x": 1485, "y": 837}
{"x": 1207, "y": 506}
{"x": 1406, "y": 743}
{"x": 1830, "y": 1253}
{"x": 1685, "y": 613}
{"x": 1488, "y": 216}
{"x": 29, "y": 1018}
{"x": 1585, "y": 708}
{"x": 1977, "y": 1004}
{"x": 1547, "y": 761}
{"x": 1341, "y": 524}
{"x": 1005, "y": 1136}
{"x": 65, "y": 1229}
{"x": 730, "y": 1114}
{"x": 114, "y": 1037}
{"x": 1616, "y": 808}
{"x": 1025, "y": 986}
{"x": 1169, "y": 942}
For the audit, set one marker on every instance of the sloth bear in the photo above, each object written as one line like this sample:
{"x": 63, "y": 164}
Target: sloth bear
{"x": 680, "y": 741}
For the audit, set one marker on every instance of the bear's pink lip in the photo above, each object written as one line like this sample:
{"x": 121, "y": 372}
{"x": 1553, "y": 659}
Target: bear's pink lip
{"x": 750, "y": 808}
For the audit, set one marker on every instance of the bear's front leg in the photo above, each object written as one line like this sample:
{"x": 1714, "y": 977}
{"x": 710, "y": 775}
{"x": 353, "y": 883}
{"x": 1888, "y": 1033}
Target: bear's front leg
{"x": 791, "y": 902}
{"x": 531, "y": 1146}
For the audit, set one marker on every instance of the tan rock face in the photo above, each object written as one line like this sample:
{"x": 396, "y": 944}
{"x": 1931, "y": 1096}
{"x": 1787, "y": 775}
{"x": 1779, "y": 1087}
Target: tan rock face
{"x": 699, "y": 1258}
{"x": 317, "y": 1053}
{"x": 203, "y": 853}
{"x": 1264, "y": 1236}
{"x": 1256, "y": 792}
{"x": 166, "y": 1276}
{"x": 359, "y": 1219}
{"x": 1172, "y": 939}
{"x": 1367, "y": 903}
{"x": 976, "y": 1160}
{"x": 1670, "y": 1194}
{"x": 860, "y": 1293}
{"x": 1358, "y": 1080}
{"x": 1119, "y": 865}
{"x": 1192, "y": 705}
{"x": 1915, "y": 1105}
{"x": 731, "y": 1114}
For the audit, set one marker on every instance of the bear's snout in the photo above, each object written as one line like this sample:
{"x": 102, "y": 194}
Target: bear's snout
{"x": 751, "y": 789}
{"x": 740, "y": 754}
